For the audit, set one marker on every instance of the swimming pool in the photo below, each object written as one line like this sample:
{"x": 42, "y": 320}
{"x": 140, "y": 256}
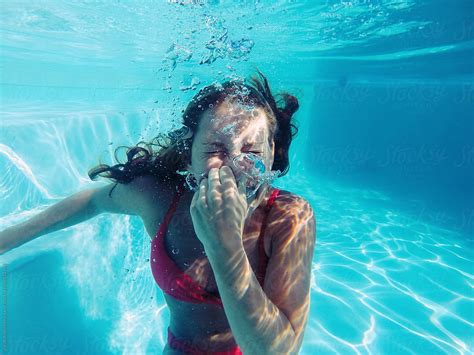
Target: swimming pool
{"x": 384, "y": 156}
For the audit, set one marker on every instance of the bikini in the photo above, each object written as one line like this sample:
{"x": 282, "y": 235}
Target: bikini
{"x": 176, "y": 283}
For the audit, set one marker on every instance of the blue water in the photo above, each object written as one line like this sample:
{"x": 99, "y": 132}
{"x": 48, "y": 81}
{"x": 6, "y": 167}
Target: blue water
{"x": 384, "y": 155}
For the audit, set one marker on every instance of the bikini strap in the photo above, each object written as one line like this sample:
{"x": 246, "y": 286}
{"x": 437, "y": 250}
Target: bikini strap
{"x": 272, "y": 199}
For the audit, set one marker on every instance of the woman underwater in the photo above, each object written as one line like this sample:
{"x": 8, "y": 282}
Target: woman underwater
{"x": 241, "y": 281}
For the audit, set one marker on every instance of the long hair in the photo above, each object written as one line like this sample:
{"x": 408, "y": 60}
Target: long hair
{"x": 168, "y": 154}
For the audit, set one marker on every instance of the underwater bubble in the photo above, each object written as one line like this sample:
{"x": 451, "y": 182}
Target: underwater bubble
{"x": 175, "y": 251}
{"x": 167, "y": 86}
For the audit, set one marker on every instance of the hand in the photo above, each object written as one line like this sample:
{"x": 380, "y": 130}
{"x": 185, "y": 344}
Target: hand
{"x": 219, "y": 209}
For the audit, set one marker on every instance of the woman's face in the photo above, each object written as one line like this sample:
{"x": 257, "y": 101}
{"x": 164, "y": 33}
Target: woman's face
{"x": 227, "y": 130}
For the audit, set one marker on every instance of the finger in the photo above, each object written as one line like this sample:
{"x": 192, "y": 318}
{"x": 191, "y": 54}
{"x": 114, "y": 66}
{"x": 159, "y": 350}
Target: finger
{"x": 213, "y": 178}
{"x": 227, "y": 178}
{"x": 202, "y": 176}
{"x": 213, "y": 188}
{"x": 202, "y": 198}
{"x": 195, "y": 198}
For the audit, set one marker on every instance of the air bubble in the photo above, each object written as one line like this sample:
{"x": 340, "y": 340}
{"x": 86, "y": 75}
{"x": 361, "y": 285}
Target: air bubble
{"x": 175, "y": 251}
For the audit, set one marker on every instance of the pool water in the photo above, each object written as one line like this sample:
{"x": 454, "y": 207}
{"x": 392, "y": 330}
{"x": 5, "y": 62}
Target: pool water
{"x": 384, "y": 155}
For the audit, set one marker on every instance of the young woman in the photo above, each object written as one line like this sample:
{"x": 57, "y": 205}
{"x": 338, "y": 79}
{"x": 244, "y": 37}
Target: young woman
{"x": 240, "y": 282}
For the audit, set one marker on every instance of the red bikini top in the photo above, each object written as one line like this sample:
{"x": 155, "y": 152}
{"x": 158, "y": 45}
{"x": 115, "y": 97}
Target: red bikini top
{"x": 174, "y": 281}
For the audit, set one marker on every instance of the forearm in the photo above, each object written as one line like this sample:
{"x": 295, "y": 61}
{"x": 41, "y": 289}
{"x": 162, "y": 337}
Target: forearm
{"x": 68, "y": 212}
{"x": 257, "y": 324}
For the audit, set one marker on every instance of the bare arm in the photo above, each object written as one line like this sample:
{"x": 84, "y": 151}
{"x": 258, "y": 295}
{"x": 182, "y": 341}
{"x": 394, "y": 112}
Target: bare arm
{"x": 66, "y": 213}
{"x": 125, "y": 199}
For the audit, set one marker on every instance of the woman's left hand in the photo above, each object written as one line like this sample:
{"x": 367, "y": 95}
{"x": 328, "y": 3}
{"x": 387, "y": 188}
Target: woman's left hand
{"x": 219, "y": 209}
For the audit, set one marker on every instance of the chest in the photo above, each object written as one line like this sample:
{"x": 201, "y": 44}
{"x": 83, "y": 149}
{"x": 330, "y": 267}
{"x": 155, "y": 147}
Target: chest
{"x": 187, "y": 252}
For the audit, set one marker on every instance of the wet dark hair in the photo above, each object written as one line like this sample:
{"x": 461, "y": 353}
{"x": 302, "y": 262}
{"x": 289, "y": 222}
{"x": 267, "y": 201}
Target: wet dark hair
{"x": 167, "y": 154}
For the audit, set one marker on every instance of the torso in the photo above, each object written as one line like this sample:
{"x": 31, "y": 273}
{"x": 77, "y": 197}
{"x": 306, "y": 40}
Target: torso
{"x": 204, "y": 323}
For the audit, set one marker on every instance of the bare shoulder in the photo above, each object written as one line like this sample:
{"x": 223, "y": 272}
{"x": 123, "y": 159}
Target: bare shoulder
{"x": 150, "y": 192}
{"x": 288, "y": 213}
{"x": 134, "y": 198}
{"x": 289, "y": 202}
{"x": 147, "y": 184}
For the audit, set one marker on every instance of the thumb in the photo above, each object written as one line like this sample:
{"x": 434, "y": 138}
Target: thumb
{"x": 243, "y": 185}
